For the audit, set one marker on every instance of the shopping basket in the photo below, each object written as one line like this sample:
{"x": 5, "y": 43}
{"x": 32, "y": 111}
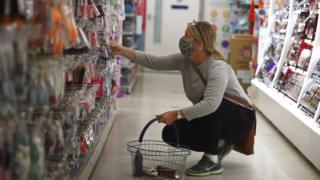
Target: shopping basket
{"x": 157, "y": 158}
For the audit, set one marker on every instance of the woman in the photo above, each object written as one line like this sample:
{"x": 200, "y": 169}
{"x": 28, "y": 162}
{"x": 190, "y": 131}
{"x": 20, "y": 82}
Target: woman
{"x": 206, "y": 78}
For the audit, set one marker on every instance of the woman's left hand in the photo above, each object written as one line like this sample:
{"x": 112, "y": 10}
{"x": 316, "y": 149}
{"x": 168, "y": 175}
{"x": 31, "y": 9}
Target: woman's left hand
{"x": 168, "y": 117}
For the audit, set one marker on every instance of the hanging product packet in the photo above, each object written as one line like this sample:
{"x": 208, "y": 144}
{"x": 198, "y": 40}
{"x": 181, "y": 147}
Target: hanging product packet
{"x": 88, "y": 134}
{"x": 59, "y": 149}
{"x": 60, "y": 81}
{"x": 310, "y": 26}
{"x": 310, "y": 99}
{"x": 101, "y": 10}
{"x": 107, "y": 82}
{"x": 43, "y": 92}
{"x": 70, "y": 27}
{"x": 2, "y": 152}
{"x": 7, "y": 62}
{"x": 20, "y": 61}
{"x": 304, "y": 59}
{"x": 54, "y": 27}
{"x": 50, "y": 138}
{"x": 9, "y": 127}
{"x": 100, "y": 82}
{"x": 21, "y": 151}
{"x": 37, "y": 157}
{"x": 92, "y": 9}
{"x": 55, "y": 81}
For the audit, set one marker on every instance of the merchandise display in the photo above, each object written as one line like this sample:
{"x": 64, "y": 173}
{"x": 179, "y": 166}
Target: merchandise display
{"x": 290, "y": 84}
{"x": 316, "y": 72}
{"x": 288, "y": 75}
{"x": 274, "y": 47}
{"x": 311, "y": 95}
{"x": 293, "y": 60}
{"x": 59, "y": 82}
{"x": 298, "y": 57}
{"x": 310, "y": 99}
{"x": 129, "y": 24}
{"x": 239, "y": 23}
{"x": 287, "y": 57}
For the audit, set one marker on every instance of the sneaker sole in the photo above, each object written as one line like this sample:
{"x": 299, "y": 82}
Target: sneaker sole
{"x": 215, "y": 172}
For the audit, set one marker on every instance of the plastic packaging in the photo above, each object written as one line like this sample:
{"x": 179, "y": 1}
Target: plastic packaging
{"x": 150, "y": 171}
{"x": 168, "y": 172}
{"x": 21, "y": 152}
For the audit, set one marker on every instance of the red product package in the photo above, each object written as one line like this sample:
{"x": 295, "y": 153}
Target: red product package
{"x": 99, "y": 80}
{"x": 83, "y": 146}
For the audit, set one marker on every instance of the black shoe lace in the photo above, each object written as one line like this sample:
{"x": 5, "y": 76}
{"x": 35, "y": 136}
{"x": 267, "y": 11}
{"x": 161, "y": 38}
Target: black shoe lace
{"x": 204, "y": 160}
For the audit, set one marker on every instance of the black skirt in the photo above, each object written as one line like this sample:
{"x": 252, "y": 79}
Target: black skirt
{"x": 230, "y": 121}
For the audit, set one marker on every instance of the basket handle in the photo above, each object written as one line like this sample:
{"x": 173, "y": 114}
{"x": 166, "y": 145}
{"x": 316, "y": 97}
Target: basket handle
{"x": 176, "y": 130}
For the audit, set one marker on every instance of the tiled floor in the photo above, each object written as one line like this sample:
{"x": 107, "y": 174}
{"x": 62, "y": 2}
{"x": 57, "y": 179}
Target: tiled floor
{"x": 275, "y": 158}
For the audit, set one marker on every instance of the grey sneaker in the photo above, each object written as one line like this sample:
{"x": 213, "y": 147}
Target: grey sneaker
{"x": 205, "y": 167}
{"x": 224, "y": 150}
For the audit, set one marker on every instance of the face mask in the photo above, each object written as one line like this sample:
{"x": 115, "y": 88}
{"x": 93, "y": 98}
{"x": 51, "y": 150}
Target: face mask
{"x": 185, "y": 46}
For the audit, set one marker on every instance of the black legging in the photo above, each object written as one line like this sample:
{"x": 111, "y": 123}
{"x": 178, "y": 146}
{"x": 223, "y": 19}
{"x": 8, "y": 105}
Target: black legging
{"x": 229, "y": 121}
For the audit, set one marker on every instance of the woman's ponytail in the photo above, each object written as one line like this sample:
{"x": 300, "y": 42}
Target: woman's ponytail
{"x": 217, "y": 54}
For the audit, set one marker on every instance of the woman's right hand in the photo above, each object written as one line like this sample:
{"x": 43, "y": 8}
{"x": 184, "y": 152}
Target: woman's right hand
{"x": 115, "y": 48}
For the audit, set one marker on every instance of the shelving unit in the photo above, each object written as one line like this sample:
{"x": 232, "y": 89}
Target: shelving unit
{"x": 293, "y": 123}
{"x": 293, "y": 108}
{"x": 129, "y": 33}
{"x": 55, "y": 119}
{"x": 85, "y": 172}
{"x": 128, "y": 70}
{"x": 130, "y": 15}
{"x": 129, "y": 76}
{"x": 129, "y": 24}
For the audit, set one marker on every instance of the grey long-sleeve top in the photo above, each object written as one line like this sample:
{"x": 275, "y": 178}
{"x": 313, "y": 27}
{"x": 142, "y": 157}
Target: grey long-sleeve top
{"x": 219, "y": 75}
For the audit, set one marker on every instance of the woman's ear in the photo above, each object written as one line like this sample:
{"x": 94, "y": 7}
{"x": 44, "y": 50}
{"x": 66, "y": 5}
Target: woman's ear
{"x": 198, "y": 45}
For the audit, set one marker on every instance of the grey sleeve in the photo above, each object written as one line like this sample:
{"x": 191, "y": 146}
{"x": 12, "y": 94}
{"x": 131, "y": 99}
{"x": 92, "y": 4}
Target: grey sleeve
{"x": 170, "y": 62}
{"x": 213, "y": 94}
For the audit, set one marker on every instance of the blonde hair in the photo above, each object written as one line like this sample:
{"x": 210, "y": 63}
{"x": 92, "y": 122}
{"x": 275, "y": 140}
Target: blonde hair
{"x": 204, "y": 32}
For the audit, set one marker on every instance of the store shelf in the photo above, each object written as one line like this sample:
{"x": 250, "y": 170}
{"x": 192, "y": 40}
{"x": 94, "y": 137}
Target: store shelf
{"x": 128, "y": 33}
{"x": 85, "y": 172}
{"x": 130, "y": 15}
{"x": 293, "y": 123}
{"x": 128, "y": 89}
{"x": 277, "y": 36}
{"x": 132, "y": 80}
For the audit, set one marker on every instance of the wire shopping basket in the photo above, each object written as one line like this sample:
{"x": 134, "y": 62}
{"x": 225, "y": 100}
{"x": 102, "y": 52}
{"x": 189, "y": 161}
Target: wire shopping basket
{"x": 157, "y": 158}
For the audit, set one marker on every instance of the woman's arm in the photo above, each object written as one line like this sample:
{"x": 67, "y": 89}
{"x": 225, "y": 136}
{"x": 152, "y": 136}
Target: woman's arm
{"x": 170, "y": 62}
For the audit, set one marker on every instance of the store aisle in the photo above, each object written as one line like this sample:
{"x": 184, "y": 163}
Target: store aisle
{"x": 275, "y": 158}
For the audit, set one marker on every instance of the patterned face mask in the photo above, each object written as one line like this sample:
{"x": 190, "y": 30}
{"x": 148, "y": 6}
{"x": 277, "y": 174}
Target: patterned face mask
{"x": 185, "y": 46}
